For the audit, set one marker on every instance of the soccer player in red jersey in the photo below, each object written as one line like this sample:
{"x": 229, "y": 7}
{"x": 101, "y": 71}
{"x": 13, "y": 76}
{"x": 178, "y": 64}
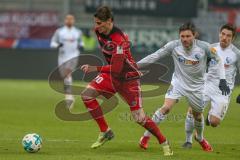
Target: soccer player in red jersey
{"x": 121, "y": 76}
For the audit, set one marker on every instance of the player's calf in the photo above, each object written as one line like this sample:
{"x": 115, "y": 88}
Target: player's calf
{"x": 198, "y": 124}
{"x": 148, "y": 124}
{"x": 89, "y": 99}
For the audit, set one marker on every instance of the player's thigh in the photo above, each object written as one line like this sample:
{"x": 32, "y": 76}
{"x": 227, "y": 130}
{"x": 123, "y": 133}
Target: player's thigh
{"x": 219, "y": 102}
{"x": 174, "y": 92}
{"x": 206, "y": 99}
{"x": 196, "y": 101}
{"x": 103, "y": 85}
{"x": 130, "y": 91}
{"x": 219, "y": 105}
{"x": 89, "y": 93}
{"x": 173, "y": 95}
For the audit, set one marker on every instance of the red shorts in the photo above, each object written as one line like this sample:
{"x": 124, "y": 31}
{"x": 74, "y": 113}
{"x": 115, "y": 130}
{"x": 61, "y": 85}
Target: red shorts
{"x": 130, "y": 90}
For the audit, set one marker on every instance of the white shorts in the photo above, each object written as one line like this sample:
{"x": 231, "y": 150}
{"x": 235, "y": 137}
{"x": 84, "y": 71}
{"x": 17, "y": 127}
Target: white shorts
{"x": 219, "y": 102}
{"x": 195, "y": 99}
{"x": 64, "y": 65}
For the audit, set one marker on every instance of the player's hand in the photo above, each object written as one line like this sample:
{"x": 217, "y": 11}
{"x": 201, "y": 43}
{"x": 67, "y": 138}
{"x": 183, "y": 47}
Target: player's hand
{"x": 87, "y": 68}
{"x": 81, "y": 48}
{"x": 224, "y": 87}
{"x": 60, "y": 45}
{"x": 238, "y": 99}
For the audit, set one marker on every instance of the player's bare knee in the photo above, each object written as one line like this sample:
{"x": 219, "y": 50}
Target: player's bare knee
{"x": 67, "y": 73}
{"x": 139, "y": 120}
{"x": 84, "y": 95}
{"x": 214, "y": 121}
{"x": 190, "y": 110}
{"x": 213, "y": 124}
{"x": 89, "y": 93}
{"x": 197, "y": 116}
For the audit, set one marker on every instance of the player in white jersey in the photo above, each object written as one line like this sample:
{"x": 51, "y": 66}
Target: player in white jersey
{"x": 68, "y": 40}
{"x": 190, "y": 57}
{"x": 230, "y": 55}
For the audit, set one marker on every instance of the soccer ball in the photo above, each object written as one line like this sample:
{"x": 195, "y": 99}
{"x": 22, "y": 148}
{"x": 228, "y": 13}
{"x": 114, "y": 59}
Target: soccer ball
{"x": 32, "y": 142}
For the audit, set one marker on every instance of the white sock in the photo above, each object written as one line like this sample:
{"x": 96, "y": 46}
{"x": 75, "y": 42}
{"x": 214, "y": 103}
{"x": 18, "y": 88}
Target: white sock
{"x": 67, "y": 85}
{"x": 157, "y": 118}
{"x": 189, "y": 127}
{"x": 199, "y": 126}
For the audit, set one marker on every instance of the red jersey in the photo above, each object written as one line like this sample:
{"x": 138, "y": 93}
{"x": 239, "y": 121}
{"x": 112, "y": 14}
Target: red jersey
{"x": 116, "y": 49}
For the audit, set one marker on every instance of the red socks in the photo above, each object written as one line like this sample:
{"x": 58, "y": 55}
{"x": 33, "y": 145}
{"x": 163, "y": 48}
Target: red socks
{"x": 96, "y": 112}
{"x": 152, "y": 127}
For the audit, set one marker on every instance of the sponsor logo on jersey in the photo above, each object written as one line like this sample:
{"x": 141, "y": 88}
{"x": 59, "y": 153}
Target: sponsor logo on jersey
{"x": 181, "y": 59}
{"x": 71, "y": 40}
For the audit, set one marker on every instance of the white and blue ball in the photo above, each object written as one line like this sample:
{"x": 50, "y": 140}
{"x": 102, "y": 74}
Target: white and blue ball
{"x": 32, "y": 142}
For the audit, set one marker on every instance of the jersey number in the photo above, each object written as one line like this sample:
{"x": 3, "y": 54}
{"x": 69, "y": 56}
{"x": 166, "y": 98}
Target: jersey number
{"x": 98, "y": 79}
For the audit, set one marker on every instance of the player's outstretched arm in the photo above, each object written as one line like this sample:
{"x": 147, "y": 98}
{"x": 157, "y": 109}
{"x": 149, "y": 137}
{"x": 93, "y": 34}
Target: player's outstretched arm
{"x": 154, "y": 57}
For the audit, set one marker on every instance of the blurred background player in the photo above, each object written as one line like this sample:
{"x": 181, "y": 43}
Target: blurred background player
{"x": 121, "y": 76}
{"x": 190, "y": 57}
{"x": 68, "y": 40}
{"x": 230, "y": 55}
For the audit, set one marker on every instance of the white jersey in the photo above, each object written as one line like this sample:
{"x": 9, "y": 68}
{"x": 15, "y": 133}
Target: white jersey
{"x": 231, "y": 58}
{"x": 190, "y": 65}
{"x": 71, "y": 39}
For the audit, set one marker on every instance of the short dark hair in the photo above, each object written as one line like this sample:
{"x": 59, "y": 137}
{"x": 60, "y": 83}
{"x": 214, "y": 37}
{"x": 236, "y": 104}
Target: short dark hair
{"x": 188, "y": 26}
{"x": 104, "y": 13}
{"x": 230, "y": 27}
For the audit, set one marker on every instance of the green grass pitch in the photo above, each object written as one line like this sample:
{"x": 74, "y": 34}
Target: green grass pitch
{"x": 28, "y": 106}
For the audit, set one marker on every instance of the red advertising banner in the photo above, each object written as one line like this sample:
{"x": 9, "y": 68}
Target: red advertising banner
{"x": 7, "y": 43}
{"x": 28, "y": 24}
